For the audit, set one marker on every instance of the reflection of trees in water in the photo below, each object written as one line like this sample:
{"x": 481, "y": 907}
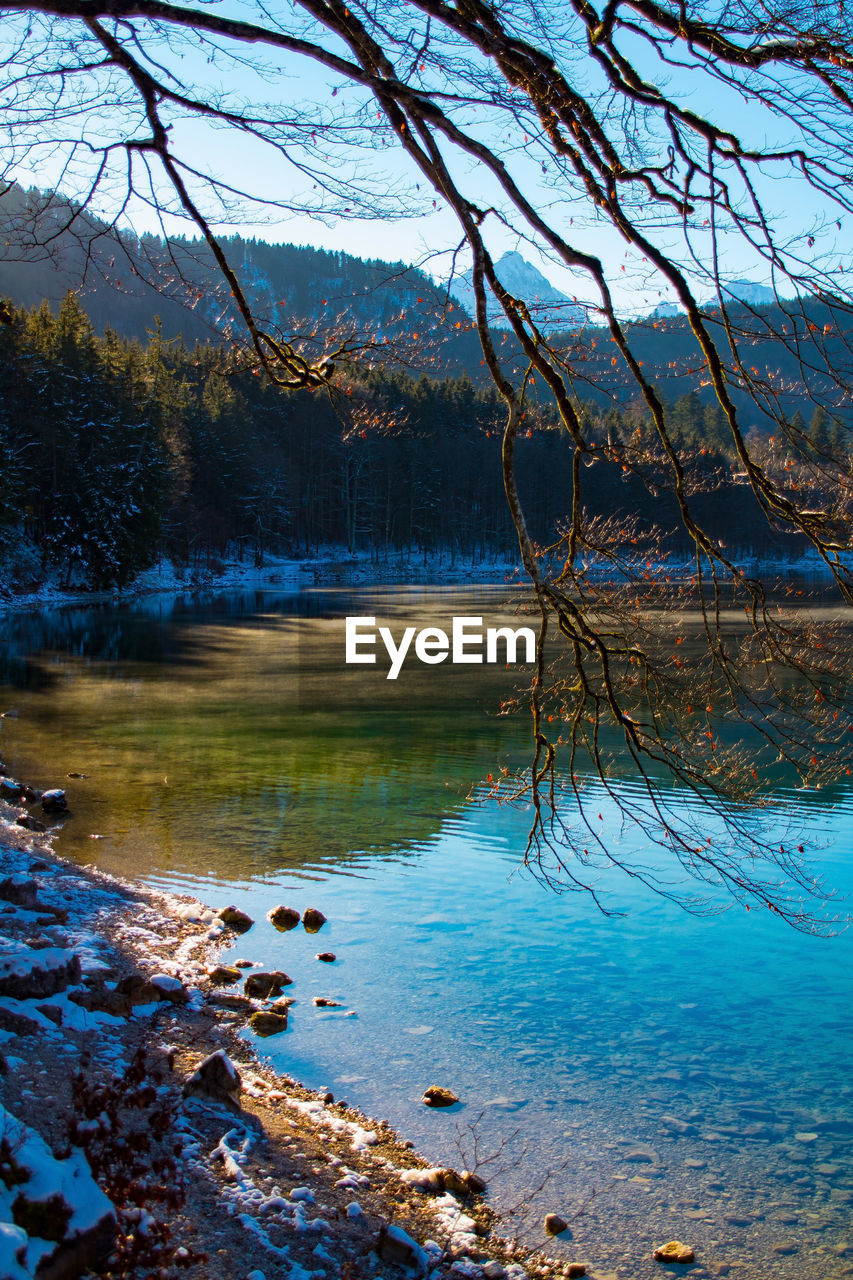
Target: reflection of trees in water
{"x": 155, "y": 629}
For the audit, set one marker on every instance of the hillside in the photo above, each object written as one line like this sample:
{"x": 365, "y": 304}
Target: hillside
{"x": 801, "y": 354}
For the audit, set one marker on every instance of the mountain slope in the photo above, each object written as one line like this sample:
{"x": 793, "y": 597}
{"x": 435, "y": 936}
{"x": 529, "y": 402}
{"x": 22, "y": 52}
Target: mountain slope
{"x": 550, "y": 308}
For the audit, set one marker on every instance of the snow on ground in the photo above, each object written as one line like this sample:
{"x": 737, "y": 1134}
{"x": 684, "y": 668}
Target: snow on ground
{"x": 338, "y": 565}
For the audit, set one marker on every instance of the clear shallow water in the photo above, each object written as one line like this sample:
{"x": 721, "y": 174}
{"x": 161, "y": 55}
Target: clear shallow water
{"x": 568, "y": 1036}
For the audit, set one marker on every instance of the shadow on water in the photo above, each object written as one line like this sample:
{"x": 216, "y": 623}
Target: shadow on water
{"x": 227, "y": 734}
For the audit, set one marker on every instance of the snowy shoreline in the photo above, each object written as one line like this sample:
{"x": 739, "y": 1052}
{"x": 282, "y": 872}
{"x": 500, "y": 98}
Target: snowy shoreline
{"x": 274, "y": 1175}
{"x": 335, "y": 565}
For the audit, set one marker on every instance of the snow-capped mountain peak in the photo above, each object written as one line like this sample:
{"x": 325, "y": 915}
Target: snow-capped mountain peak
{"x": 549, "y": 307}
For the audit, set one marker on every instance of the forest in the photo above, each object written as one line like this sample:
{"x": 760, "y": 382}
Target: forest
{"x": 116, "y": 452}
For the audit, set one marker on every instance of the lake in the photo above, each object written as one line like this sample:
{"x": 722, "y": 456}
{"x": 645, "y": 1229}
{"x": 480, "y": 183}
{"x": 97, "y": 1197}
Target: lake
{"x": 680, "y": 1076}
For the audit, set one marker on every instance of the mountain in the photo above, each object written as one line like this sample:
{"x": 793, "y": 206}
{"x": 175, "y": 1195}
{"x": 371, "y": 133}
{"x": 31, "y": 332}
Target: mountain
{"x": 750, "y": 293}
{"x": 125, "y": 281}
{"x": 550, "y": 308}
{"x": 49, "y": 246}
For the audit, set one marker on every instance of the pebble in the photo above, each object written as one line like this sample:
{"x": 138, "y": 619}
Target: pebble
{"x": 284, "y": 918}
{"x": 312, "y": 919}
{"x": 236, "y": 919}
{"x": 266, "y": 1023}
{"x": 223, "y": 975}
{"x": 641, "y": 1155}
{"x": 554, "y": 1224}
{"x": 674, "y": 1251}
{"x": 264, "y": 985}
{"x": 436, "y": 1096}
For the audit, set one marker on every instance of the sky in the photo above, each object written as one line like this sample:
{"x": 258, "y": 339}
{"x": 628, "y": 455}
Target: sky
{"x": 429, "y": 234}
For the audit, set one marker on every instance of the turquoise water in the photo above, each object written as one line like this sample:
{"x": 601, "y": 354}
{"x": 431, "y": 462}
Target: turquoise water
{"x": 681, "y": 1076}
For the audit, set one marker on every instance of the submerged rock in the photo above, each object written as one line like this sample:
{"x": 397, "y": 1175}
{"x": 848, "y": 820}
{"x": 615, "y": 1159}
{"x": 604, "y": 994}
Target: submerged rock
{"x": 216, "y": 1077}
{"x": 284, "y": 918}
{"x": 641, "y": 1155}
{"x": 436, "y": 1096}
{"x": 268, "y": 1022}
{"x": 264, "y": 985}
{"x": 236, "y": 919}
{"x": 674, "y": 1251}
{"x": 313, "y": 920}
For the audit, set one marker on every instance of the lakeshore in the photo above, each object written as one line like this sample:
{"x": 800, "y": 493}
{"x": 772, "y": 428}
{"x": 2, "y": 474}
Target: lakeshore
{"x": 119, "y": 998}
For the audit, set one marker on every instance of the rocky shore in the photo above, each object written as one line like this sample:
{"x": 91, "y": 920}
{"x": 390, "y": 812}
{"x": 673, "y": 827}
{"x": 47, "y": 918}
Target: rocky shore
{"x": 141, "y": 1136}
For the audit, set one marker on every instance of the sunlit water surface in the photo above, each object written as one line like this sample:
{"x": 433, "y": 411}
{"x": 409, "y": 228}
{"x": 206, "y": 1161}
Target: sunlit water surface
{"x": 680, "y": 1076}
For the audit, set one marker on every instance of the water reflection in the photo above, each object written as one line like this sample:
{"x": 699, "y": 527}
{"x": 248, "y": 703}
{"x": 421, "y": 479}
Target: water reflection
{"x": 692, "y": 1072}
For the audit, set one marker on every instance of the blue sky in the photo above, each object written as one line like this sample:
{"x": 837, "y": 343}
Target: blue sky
{"x": 431, "y": 234}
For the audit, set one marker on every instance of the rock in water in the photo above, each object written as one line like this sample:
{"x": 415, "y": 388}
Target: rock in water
{"x": 554, "y": 1224}
{"x": 236, "y": 919}
{"x": 54, "y": 801}
{"x": 223, "y": 975}
{"x": 436, "y": 1096}
{"x": 328, "y": 957}
{"x": 266, "y": 1022}
{"x": 313, "y": 920}
{"x": 284, "y": 918}
{"x": 216, "y": 1077}
{"x": 264, "y": 985}
{"x": 674, "y": 1251}
{"x": 10, "y": 789}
